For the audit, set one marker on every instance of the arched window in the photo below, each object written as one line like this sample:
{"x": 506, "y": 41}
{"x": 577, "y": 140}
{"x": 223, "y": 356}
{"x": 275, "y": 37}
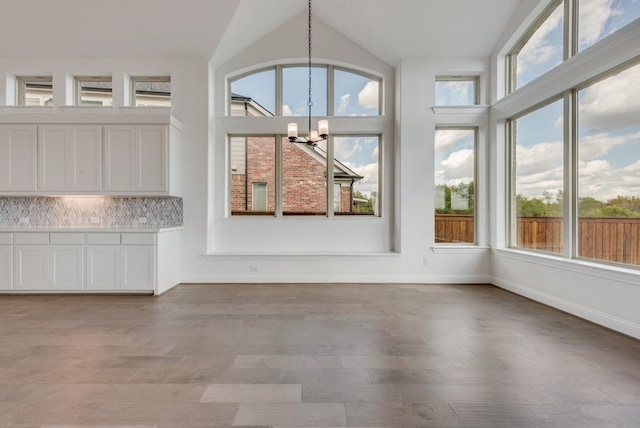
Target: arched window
{"x": 340, "y": 176}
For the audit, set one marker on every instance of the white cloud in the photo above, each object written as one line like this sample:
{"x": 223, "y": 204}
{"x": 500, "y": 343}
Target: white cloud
{"x": 538, "y": 49}
{"x": 286, "y": 110}
{"x": 613, "y": 102}
{"x": 447, "y": 139}
{"x": 368, "y": 97}
{"x": 344, "y": 103}
{"x": 539, "y": 168}
{"x": 456, "y": 168}
{"x": 594, "y": 15}
{"x": 375, "y": 154}
{"x": 346, "y": 149}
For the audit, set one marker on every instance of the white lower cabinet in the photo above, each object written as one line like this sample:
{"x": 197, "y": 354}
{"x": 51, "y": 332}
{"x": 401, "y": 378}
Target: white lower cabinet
{"x": 6, "y": 267}
{"x": 44, "y": 261}
{"x": 111, "y": 265}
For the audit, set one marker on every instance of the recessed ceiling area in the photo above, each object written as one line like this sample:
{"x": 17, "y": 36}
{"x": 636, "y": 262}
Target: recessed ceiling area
{"x": 390, "y": 29}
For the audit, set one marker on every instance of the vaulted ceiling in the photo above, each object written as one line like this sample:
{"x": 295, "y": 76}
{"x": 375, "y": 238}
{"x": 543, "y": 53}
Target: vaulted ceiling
{"x": 390, "y": 29}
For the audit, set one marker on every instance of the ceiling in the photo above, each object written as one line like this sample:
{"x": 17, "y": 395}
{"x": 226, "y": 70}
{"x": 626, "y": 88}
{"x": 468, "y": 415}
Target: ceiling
{"x": 219, "y": 29}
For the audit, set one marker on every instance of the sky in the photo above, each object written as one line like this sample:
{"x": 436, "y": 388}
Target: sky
{"x": 354, "y": 95}
{"x": 608, "y": 117}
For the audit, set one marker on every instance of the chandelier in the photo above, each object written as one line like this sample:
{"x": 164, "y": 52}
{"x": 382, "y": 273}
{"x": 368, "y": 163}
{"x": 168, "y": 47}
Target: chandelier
{"x": 314, "y": 136}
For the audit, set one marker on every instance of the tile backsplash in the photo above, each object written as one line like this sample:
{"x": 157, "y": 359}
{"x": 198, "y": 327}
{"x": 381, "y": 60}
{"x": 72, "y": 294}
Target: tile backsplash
{"x": 136, "y": 212}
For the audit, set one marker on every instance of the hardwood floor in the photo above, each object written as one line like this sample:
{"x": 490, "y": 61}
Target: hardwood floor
{"x": 322, "y": 355}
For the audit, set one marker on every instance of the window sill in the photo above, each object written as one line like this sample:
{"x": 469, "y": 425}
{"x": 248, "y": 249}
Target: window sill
{"x": 478, "y": 109}
{"x": 377, "y": 256}
{"x": 617, "y": 273}
{"x": 458, "y": 249}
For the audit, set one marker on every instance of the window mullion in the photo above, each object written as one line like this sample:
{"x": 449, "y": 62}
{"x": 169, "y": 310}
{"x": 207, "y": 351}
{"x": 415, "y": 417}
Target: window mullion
{"x": 278, "y": 190}
{"x": 330, "y": 173}
{"x": 570, "y": 158}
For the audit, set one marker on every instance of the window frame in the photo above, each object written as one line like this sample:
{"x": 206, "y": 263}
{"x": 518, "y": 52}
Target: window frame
{"x": 476, "y": 146}
{"x": 152, "y": 79}
{"x": 77, "y": 85}
{"x": 330, "y": 68}
{"x": 21, "y": 87}
{"x": 461, "y": 78}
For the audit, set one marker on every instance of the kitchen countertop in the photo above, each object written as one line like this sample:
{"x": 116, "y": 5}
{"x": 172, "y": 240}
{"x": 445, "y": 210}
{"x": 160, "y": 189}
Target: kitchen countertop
{"x": 87, "y": 229}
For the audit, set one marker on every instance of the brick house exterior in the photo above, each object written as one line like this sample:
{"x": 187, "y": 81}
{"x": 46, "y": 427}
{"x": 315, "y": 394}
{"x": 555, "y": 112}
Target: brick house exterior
{"x": 304, "y": 184}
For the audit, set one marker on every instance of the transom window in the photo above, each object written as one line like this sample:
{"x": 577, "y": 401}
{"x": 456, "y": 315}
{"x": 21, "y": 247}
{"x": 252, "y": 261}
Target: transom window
{"x": 283, "y": 91}
{"x": 555, "y": 37}
{"x": 34, "y": 91}
{"x": 154, "y": 91}
{"x": 456, "y": 90}
{"x": 94, "y": 90}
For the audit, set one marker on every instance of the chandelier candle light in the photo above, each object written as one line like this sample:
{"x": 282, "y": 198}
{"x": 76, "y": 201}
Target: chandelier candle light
{"x": 314, "y": 136}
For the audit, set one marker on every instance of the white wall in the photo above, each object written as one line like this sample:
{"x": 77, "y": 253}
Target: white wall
{"x": 604, "y": 294}
{"x": 391, "y": 248}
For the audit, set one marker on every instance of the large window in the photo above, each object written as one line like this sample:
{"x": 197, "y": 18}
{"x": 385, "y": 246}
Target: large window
{"x": 455, "y": 177}
{"x": 537, "y": 172}
{"x": 555, "y": 36}
{"x": 609, "y": 169}
{"x": 337, "y": 177}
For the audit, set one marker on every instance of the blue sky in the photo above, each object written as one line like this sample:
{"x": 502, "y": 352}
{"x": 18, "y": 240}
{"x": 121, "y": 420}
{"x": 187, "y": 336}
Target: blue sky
{"x": 609, "y": 130}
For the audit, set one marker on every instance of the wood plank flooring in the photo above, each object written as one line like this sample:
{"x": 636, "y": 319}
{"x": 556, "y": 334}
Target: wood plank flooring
{"x": 313, "y": 355}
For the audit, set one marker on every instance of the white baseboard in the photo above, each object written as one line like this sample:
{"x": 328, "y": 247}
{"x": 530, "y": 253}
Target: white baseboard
{"x": 584, "y": 312}
{"x": 340, "y": 279}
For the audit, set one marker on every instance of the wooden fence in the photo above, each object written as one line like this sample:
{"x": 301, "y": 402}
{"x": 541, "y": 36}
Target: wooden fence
{"x": 613, "y": 239}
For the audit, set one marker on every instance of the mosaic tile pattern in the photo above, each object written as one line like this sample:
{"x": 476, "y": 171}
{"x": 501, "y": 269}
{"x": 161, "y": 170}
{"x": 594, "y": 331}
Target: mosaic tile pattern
{"x": 90, "y": 212}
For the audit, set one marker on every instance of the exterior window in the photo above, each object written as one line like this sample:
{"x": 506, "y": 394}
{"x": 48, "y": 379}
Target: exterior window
{"x": 252, "y": 162}
{"x": 355, "y": 94}
{"x": 597, "y": 19}
{"x": 456, "y": 91}
{"x": 94, "y": 91}
{"x": 540, "y": 50}
{"x": 538, "y": 179}
{"x": 35, "y": 91}
{"x": 254, "y": 94}
{"x": 259, "y": 197}
{"x": 151, "y": 91}
{"x": 609, "y": 169}
{"x": 455, "y": 176}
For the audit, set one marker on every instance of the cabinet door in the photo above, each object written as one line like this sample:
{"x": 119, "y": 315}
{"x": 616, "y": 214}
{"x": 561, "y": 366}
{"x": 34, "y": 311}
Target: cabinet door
{"x": 67, "y": 267}
{"x": 151, "y": 157}
{"x": 18, "y": 147}
{"x": 104, "y": 267}
{"x": 31, "y": 267}
{"x": 6, "y": 267}
{"x": 120, "y": 159}
{"x": 138, "y": 267}
{"x": 70, "y": 158}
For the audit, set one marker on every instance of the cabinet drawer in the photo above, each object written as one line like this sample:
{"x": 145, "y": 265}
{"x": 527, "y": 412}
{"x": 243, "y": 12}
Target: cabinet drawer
{"x": 103, "y": 238}
{"x": 32, "y": 238}
{"x": 67, "y": 238}
{"x": 6, "y": 238}
{"x": 138, "y": 238}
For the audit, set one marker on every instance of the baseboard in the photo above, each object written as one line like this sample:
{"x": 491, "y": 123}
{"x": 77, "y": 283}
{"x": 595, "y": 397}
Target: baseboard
{"x": 340, "y": 279}
{"x": 580, "y": 311}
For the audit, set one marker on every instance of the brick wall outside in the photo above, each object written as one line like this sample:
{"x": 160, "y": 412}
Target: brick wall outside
{"x": 304, "y": 186}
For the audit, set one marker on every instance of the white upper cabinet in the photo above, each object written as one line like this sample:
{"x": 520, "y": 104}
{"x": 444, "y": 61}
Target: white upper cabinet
{"x": 129, "y": 157}
{"x": 137, "y": 160}
{"x": 18, "y": 159}
{"x": 70, "y": 158}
